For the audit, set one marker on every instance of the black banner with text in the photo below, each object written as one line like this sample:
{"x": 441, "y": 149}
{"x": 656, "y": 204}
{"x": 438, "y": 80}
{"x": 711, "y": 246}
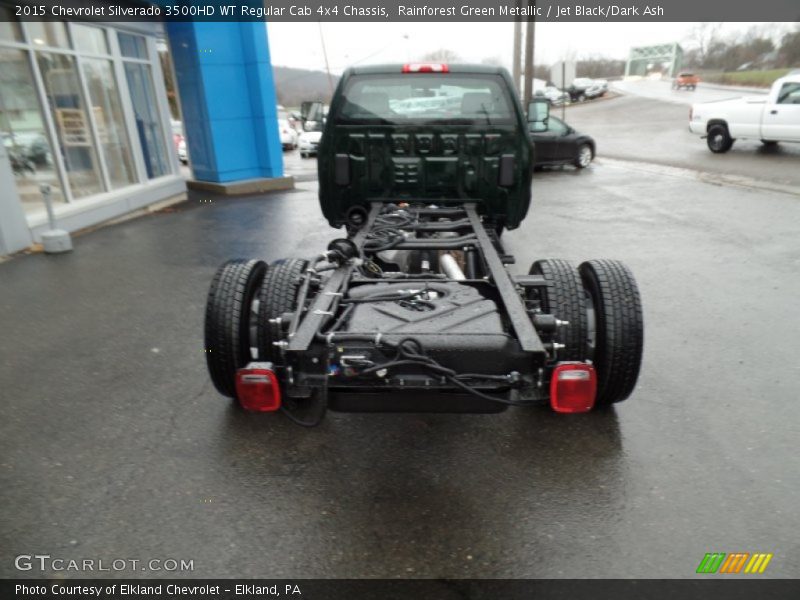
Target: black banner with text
{"x": 382, "y": 589}
{"x": 402, "y": 10}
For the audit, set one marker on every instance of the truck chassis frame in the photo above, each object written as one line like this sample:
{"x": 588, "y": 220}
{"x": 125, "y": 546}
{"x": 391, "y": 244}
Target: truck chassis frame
{"x": 557, "y": 317}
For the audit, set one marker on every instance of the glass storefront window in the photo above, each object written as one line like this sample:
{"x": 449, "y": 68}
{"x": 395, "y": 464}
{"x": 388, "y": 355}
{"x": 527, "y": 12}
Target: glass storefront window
{"x": 132, "y": 46}
{"x": 90, "y": 39}
{"x": 62, "y": 87}
{"x": 9, "y": 28}
{"x": 54, "y": 34}
{"x": 104, "y": 98}
{"x": 64, "y": 120}
{"x": 23, "y": 132}
{"x": 148, "y": 121}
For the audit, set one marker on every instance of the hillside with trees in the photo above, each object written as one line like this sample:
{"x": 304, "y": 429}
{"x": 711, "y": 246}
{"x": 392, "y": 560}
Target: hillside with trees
{"x": 293, "y": 86}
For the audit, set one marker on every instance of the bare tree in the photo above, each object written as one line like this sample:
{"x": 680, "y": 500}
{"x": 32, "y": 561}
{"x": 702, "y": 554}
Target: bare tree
{"x": 704, "y": 38}
{"x": 790, "y": 49}
{"x": 596, "y": 67}
{"x": 541, "y": 72}
{"x": 443, "y": 55}
{"x": 494, "y": 61}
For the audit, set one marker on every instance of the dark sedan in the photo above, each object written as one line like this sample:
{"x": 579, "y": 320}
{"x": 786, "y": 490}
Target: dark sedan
{"x": 556, "y": 143}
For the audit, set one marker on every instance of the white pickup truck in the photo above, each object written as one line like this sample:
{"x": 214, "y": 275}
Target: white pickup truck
{"x": 772, "y": 118}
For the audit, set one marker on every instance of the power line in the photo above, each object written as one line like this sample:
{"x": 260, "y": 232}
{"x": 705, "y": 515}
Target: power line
{"x": 325, "y": 55}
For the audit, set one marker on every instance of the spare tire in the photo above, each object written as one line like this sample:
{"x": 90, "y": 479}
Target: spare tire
{"x": 566, "y": 300}
{"x": 618, "y": 336}
{"x": 227, "y": 323}
{"x": 278, "y": 295}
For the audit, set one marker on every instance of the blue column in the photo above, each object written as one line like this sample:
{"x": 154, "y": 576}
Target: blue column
{"x": 228, "y": 100}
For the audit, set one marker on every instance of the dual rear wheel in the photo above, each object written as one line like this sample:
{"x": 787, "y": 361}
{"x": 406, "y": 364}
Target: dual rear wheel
{"x": 601, "y": 303}
{"x": 599, "y": 300}
{"x": 245, "y": 296}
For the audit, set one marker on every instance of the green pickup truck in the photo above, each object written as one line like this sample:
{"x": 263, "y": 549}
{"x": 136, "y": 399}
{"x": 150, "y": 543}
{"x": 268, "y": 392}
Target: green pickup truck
{"x": 424, "y": 166}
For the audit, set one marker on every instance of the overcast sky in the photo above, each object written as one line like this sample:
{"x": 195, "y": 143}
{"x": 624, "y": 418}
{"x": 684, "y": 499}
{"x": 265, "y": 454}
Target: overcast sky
{"x": 298, "y": 44}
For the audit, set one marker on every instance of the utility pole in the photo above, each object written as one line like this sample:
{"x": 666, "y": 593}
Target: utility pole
{"x": 517, "y": 62}
{"x": 529, "y": 41}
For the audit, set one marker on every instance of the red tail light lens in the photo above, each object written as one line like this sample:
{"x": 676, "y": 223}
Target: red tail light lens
{"x": 573, "y": 388}
{"x": 257, "y": 388}
{"x": 426, "y": 68}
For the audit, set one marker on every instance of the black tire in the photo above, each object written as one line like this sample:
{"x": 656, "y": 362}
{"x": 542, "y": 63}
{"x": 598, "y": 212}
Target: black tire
{"x": 584, "y": 156}
{"x": 227, "y": 325}
{"x": 719, "y": 140}
{"x": 278, "y": 295}
{"x": 618, "y": 328}
{"x": 566, "y": 300}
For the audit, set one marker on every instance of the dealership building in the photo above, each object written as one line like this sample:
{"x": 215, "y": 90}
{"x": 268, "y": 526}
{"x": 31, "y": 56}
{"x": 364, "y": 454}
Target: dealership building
{"x": 84, "y": 113}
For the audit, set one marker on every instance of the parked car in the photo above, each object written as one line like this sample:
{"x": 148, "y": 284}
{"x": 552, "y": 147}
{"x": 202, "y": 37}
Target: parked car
{"x": 553, "y": 94}
{"x": 183, "y": 156}
{"x": 29, "y": 146}
{"x": 288, "y": 135}
{"x": 595, "y": 90}
{"x": 556, "y": 143}
{"x": 295, "y": 121}
{"x": 20, "y": 164}
{"x": 685, "y": 80}
{"x": 308, "y": 142}
{"x": 772, "y": 118}
{"x": 578, "y": 90}
{"x": 177, "y": 134}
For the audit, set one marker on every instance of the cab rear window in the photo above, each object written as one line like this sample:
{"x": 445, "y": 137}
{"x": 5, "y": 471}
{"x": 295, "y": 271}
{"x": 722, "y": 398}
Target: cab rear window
{"x": 425, "y": 97}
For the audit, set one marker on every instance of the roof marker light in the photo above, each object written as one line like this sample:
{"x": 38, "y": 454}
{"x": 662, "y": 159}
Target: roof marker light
{"x": 426, "y": 68}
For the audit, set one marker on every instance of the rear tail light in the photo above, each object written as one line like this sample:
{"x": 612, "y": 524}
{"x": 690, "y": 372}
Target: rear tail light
{"x": 257, "y": 388}
{"x": 573, "y": 387}
{"x": 426, "y": 68}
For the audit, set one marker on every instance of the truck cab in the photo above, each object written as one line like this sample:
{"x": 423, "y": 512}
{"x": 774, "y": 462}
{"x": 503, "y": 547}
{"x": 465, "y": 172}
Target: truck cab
{"x": 433, "y": 132}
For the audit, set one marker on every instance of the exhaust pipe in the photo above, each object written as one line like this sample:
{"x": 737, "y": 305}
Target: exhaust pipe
{"x": 450, "y": 267}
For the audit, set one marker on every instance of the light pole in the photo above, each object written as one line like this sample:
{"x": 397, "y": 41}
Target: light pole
{"x": 517, "y": 66}
{"x": 529, "y": 40}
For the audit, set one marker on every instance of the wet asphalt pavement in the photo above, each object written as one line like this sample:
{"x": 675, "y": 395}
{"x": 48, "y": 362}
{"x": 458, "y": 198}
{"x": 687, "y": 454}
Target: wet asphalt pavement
{"x": 662, "y": 90}
{"x": 114, "y": 444}
{"x": 650, "y": 124}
